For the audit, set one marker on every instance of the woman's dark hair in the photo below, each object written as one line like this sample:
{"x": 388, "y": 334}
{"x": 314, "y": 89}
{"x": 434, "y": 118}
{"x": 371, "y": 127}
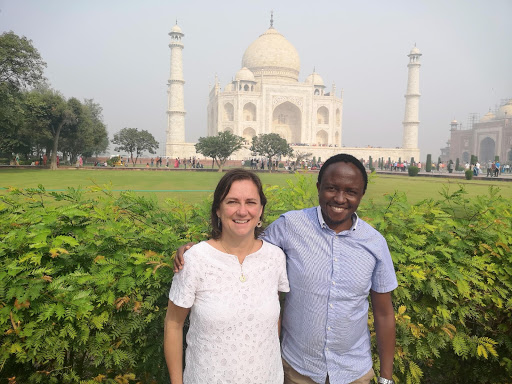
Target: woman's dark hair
{"x": 221, "y": 192}
{"x": 344, "y": 158}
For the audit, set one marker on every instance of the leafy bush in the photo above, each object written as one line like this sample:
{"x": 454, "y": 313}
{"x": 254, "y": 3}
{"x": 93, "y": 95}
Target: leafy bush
{"x": 413, "y": 170}
{"x": 468, "y": 173}
{"x": 84, "y": 278}
{"x": 84, "y": 282}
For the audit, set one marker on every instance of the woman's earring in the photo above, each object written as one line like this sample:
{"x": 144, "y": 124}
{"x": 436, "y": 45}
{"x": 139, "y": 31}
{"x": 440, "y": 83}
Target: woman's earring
{"x": 218, "y": 222}
{"x": 259, "y": 224}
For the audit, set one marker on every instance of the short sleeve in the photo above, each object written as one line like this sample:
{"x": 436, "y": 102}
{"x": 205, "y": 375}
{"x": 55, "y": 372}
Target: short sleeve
{"x": 284, "y": 285}
{"x": 275, "y": 233}
{"x": 384, "y": 277}
{"x": 185, "y": 283}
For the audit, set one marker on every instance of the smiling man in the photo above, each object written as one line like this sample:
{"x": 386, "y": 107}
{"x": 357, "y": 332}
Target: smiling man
{"x": 335, "y": 261}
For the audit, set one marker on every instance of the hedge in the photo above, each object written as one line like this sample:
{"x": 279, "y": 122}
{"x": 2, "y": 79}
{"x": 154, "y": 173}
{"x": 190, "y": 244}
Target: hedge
{"x": 84, "y": 277}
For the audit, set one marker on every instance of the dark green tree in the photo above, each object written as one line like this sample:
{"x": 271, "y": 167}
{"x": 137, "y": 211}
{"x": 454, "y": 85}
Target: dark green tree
{"x": 21, "y": 68}
{"x": 51, "y": 116}
{"x": 457, "y": 164}
{"x": 474, "y": 159}
{"x": 133, "y": 141}
{"x": 219, "y": 147}
{"x": 271, "y": 145}
{"x": 91, "y": 136}
{"x": 438, "y": 163}
{"x": 428, "y": 165}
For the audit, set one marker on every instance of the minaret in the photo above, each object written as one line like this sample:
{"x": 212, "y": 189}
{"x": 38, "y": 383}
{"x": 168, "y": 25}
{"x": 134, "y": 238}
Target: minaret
{"x": 175, "y": 99}
{"x": 412, "y": 100}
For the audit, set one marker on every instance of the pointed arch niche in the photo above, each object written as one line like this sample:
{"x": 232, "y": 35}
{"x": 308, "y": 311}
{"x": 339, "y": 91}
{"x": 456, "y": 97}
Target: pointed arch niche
{"x": 228, "y": 112}
{"x": 287, "y": 121}
{"x": 249, "y": 112}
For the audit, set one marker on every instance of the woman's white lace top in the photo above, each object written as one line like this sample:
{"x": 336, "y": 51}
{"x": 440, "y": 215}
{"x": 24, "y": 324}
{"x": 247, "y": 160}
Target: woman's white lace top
{"x": 233, "y": 324}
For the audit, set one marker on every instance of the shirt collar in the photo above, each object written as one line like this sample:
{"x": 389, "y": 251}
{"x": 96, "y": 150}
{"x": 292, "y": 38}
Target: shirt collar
{"x": 321, "y": 221}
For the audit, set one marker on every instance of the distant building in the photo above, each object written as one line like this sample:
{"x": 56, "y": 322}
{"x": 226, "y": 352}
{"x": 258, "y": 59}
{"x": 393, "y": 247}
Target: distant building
{"x": 486, "y": 138}
{"x": 266, "y": 96}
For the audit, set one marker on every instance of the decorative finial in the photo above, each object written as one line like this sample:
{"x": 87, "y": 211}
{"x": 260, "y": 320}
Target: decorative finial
{"x": 176, "y": 21}
{"x": 272, "y": 19}
{"x": 314, "y": 69}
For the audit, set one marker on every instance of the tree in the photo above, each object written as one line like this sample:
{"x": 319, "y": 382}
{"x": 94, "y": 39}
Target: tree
{"x": 91, "y": 136}
{"x": 52, "y": 116}
{"x": 299, "y": 156}
{"x": 271, "y": 145}
{"x": 428, "y": 165}
{"x": 219, "y": 147}
{"x": 134, "y": 141}
{"x": 21, "y": 67}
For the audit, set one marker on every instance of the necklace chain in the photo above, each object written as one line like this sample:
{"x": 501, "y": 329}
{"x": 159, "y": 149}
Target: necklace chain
{"x": 243, "y": 278}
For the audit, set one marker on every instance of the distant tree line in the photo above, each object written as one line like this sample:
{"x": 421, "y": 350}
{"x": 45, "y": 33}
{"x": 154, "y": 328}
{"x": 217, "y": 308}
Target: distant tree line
{"x": 36, "y": 120}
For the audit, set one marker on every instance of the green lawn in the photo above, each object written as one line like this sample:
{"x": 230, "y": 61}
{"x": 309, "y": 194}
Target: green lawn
{"x": 193, "y": 186}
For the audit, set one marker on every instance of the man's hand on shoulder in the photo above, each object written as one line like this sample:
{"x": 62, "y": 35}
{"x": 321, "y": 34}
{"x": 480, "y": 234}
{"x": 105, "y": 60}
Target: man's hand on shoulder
{"x": 179, "y": 261}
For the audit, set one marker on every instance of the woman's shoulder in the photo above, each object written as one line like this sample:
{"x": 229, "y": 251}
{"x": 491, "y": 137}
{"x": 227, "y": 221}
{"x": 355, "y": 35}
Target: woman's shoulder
{"x": 272, "y": 250}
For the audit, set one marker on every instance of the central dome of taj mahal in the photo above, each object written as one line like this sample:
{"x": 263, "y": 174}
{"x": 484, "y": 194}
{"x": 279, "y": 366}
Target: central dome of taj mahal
{"x": 272, "y": 56}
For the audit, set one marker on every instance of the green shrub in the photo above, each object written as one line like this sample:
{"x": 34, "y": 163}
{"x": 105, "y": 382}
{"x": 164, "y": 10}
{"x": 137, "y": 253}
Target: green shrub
{"x": 84, "y": 282}
{"x": 413, "y": 170}
{"x": 469, "y": 174}
{"x": 84, "y": 279}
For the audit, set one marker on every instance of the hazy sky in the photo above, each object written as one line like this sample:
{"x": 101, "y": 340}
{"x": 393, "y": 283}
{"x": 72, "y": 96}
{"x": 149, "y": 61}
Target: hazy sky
{"x": 116, "y": 52}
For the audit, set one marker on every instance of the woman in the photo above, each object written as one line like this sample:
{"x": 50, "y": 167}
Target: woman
{"x": 230, "y": 285}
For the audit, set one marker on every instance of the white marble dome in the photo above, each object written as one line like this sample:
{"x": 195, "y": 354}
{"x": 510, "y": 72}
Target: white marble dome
{"x": 315, "y": 79}
{"x": 505, "y": 111}
{"x": 415, "y": 51}
{"x": 176, "y": 29}
{"x": 244, "y": 75}
{"x": 272, "y": 56}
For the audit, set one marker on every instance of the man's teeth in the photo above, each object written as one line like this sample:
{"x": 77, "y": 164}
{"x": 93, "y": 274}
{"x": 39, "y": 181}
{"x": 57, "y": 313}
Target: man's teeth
{"x": 337, "y": 209}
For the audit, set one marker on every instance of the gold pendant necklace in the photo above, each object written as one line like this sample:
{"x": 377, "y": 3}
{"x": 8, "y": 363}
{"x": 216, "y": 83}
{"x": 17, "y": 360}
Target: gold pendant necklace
{"x": 243, "y": 278}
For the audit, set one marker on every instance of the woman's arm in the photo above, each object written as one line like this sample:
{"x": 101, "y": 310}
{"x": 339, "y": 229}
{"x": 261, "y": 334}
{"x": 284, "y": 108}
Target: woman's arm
{"x": 173, "y": 341}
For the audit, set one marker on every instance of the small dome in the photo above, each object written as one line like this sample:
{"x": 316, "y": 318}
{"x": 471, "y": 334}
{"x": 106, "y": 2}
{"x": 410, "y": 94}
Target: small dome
{"x": 244, "y": 75}
{"x": 454, "y": 122}
{"x": 505, "y": 111}
{"x": 272, "y": 56}
{"x": 176, "y": 29}
{"x": 487, "y": 117}
{"x": 314, "y": 79}
{"x": 415, "y": 51}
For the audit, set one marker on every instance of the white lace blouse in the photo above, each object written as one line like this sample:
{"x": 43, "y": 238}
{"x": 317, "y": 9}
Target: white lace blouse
{"x": 233, "y": 324}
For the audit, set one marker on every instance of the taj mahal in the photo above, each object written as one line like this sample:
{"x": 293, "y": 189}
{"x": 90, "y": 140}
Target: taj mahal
{"x": 266, "y": 96}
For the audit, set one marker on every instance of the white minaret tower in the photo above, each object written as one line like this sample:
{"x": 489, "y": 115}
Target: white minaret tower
{"x": 412, "y": 100}
{"x": 175, "y": 100}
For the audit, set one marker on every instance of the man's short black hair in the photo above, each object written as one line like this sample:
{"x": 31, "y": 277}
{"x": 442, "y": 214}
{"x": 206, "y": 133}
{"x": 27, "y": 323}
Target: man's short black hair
{"x": 344, "y": 158}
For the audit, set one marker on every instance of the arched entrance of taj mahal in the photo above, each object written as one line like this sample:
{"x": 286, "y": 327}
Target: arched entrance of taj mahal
{"x": 287, "y": 121}
{"x": 487, "y": 150}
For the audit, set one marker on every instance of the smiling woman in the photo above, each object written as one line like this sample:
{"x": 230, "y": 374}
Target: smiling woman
{"x": 229, "y": 285}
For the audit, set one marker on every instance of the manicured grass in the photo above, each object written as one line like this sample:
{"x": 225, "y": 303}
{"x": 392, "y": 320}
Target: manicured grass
{"x": 192, "y": 186}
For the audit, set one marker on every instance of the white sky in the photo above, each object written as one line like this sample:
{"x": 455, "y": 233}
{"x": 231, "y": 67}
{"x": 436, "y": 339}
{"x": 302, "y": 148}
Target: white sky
{"x": 116, "y": 52}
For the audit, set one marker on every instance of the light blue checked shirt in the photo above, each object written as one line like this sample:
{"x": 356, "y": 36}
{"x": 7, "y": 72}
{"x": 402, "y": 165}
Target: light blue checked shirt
{"x": 325, "y": 320}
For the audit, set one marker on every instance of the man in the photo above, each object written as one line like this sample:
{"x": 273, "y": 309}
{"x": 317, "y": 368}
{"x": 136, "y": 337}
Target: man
{"x": 334, "y": 261}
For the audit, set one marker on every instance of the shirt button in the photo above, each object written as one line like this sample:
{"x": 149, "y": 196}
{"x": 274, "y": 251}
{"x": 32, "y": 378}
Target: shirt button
{"x": 330, "y": 305}
{"x": 328, "y": 328}
{"x": 333, "y": 283}
{"x": 327, "y": 348}
{"x": 335, "y": 259}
